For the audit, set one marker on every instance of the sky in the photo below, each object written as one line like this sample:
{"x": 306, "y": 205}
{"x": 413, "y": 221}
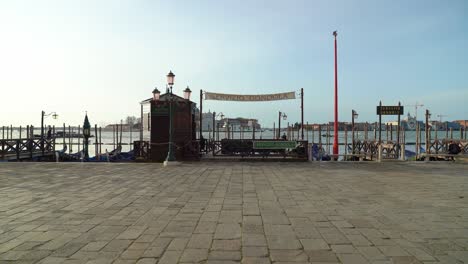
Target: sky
{"x": 104, "y": 57}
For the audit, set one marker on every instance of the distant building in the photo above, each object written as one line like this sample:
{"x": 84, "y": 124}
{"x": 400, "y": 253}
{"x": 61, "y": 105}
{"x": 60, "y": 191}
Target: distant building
{"x": 123, "y": 127}
{"x": 341, "y": 126}
{"x": 462, "y": 123}
{"x": 207, "y": 121}
{"x": 236, "y": 123}
{"x": 240, "y": 123}
{"x": 444, "y": 125}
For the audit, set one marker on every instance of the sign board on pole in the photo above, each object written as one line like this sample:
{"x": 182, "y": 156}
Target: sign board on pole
{"x": 389, "y": 110}
{"x": 274, "y": 144}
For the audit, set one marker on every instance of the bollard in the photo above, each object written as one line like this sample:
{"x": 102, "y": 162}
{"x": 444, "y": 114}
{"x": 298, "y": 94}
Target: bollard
{"x": 402, "y": 154}
{"x": 380, "y": 153}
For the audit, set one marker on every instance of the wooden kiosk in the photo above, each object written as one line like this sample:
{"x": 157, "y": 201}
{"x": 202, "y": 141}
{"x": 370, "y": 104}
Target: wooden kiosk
{"x": 185, "y": 144}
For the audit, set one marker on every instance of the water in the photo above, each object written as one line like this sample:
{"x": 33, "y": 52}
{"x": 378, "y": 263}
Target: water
{"x": 75, "y": 145}
{"x": 109, "y": 143}
{"x": 327, "y": 142}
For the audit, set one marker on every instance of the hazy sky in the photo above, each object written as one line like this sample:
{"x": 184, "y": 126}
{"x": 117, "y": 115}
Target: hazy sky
{"x": 104, "y": 57}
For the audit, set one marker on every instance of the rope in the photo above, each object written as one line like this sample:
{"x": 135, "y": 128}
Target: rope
{"x": 177, "y": 146}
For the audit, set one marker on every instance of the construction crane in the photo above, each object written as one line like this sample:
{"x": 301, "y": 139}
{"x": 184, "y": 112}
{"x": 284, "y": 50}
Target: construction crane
{"x": 440, "y": 117}
{"x": 416, "y": 105}
{"x": 440, "y": 121}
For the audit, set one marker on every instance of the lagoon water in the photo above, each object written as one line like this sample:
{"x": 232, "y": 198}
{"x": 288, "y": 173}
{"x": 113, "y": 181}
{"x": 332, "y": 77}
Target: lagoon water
{"x": 128, "y": 137}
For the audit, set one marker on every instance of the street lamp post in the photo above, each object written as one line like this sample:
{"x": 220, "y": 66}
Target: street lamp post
{"x": 354, "y": 116}
{"x": 44, "y": 115}
{"x": 221, "y": 115}
{"x": 170, "y": 154}
{"x": 253, "y": 123}
{"x": 156, "y": 96}
{"x": 280, "y": 115}
{"x": 86, "y": 135}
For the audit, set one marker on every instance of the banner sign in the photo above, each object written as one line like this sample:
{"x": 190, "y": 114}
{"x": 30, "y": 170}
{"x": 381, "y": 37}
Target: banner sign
{"x": 252, "y": 97}
{"x": 390, "y": 110}
{"x": 274, "y": 144}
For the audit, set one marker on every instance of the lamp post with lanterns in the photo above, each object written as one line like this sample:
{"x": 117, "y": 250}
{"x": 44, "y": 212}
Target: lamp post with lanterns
{"x": 44, "y": 115}
{"x": 221, "y": 115}
{"x": 284, "y": 117}
{"x": 170, "y": 99}
{"x": 170, "y": 154}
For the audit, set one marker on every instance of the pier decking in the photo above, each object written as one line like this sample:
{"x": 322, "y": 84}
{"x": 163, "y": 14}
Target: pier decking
{"x": 234, "y": 213}
{"x": 26, "y": 149}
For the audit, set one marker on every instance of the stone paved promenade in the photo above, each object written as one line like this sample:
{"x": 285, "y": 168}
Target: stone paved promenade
{"x": 234, "y": 213}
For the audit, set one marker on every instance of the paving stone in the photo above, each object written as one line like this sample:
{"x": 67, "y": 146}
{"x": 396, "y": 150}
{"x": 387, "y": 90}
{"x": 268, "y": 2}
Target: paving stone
{"x": 117, "y": 245}
{"x": 13, "y": 255}
{"x": 136, "y": 246}
{"x": 200, "y": 241}
{"x": 226, "y": 244}
{"x": 36, "y": 255}
{"x": 95, "y": 246}
{"x": 131, "y": 233}
{"x": 153, "y": 252}
{"x": 405, "y": 260}
{"x": 147, "y": 261}
{"x": 359, "y": 240}
{"x": 178, "y": 244}
{"x": 393, "y": 251}
{"x": 52, "y": 260}
{"x": 420, "y": 254}
{"x": 194, "y": 255}
{"x": 228, "y": 231}
{"x": 352, "y": 259}
{"x": 121, "y": 261}
{"x": 343, "y": 249}
{"x": 254, "y": 251}
{"x": 321, "y": 256}
{"x": 253, "y": 240}
{"x": 281, "y": 242}
{"x": 377, "y": 212}
{"x": 288, "y": 255}
{"x": 253, "y": 220}
{"x": 252, "y": 229}
{"x": 205, "y": 228}
{"x": 170, "y": 257}
{"x": 132, "y": 254}
{"x": 225, "y": 255}
{"x": 255, "y": 260}
{"x": 371, "y": 253}
{"x": 68, "y": 250}
{"x": 314, "y": 244}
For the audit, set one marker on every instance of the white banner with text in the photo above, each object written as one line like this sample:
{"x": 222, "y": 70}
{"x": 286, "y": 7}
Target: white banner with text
{"x": 250, "y": 97}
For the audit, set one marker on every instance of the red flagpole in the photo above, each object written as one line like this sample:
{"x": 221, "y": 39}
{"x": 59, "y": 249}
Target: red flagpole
{"x": 335, "y": 124}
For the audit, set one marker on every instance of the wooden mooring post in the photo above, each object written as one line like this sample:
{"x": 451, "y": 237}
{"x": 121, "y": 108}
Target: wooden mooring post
{"x": 100, "y": 140}
{"x": 313, "y": 134}
{"x": 96, "y": 149}
{"x": 346, "y": 142}
{"x": 320, "y": 137}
